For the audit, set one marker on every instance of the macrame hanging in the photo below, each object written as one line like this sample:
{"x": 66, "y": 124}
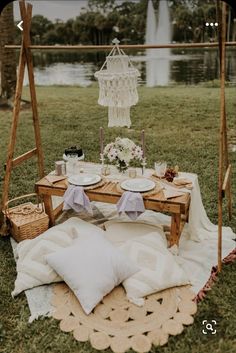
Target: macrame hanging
{"x": 117, "y": 86}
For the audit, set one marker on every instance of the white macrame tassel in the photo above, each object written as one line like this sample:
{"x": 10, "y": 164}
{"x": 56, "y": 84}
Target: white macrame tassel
{"x": 119, "y": 117}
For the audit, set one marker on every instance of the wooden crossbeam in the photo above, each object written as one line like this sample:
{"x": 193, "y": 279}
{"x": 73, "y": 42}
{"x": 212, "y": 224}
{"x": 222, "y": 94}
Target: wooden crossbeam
{"x": 18, "y": 160}
{"x": 123, "y": 46}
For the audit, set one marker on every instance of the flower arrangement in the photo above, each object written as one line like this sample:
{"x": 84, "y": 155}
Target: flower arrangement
{"x": 122, "y": 151}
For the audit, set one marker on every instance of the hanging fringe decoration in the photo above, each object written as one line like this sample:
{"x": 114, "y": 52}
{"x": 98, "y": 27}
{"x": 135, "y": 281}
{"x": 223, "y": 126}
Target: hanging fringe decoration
{"x": 118, "y": 86}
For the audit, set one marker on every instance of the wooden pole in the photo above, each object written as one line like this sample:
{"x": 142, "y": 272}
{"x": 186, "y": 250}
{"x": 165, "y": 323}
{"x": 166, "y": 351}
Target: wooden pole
{"x": 24, "y": 58}
{"x": 124, "y": 46}
{"x": 16, "y": 112}
{"x": 26, "y": 16}
{"x": 222, "y": 26}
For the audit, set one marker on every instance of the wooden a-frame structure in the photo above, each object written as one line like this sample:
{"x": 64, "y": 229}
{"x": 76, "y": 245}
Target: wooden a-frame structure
{"x": 25, "y": 60}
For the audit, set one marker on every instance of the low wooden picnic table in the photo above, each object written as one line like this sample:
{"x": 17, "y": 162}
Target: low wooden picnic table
{"x": 177, "y": 207}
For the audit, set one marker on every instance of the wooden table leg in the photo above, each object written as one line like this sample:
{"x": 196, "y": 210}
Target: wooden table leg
{"x": 49, "y": 209}
{"x": 175, "y": 230}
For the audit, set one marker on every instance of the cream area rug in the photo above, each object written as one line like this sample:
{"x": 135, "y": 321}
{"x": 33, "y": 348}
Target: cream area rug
{"x": 121, "y": 325}
{"x": 196, "y": 258}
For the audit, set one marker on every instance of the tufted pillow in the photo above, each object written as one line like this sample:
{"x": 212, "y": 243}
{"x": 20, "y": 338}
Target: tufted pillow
{"x": 32, "y": 268}
{"x": 91, "y": 267}
{"x": 158, "y": 268}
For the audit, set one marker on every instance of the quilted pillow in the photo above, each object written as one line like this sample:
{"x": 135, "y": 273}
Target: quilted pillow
{"x": 91, "y": 267}
{"x": 158, "y": 268}
{"x": 32, "y": 268}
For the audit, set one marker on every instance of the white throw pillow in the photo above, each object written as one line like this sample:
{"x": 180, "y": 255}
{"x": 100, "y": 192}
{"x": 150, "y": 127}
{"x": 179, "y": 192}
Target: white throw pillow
{"x": 91, "y": 267}
{"x": 159, "y": 270}
{"x": 32, "y": 268}
{"x": 118, "y": 231}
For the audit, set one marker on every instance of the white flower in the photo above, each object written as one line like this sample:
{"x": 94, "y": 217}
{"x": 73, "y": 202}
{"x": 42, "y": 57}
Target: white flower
{"x": 123, "y": 149}
{"x": 112, "y": 154}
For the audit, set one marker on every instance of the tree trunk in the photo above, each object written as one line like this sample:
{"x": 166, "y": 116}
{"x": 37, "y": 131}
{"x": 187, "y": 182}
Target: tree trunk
{"x": 7, "y": 57}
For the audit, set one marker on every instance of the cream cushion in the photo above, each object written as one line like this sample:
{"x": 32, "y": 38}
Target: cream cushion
{"x": 159, "y": 270}
{"x": 91, "y": 267}
{"x": 119, "y": 231}
{"x": 32, "y": 268}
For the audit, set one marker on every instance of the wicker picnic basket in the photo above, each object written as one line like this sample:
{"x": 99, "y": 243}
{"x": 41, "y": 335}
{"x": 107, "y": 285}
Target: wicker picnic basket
{"x": 27, "y": 220}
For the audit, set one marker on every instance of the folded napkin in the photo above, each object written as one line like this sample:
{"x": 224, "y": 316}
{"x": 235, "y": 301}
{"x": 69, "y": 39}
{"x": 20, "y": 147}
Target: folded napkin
{"x": 76, "y": 199}
{"x": 55, "y": 178}
{"x": 170, "y": 193}
{"x": 131, "y": 203}
{"x": 183, "y": 182}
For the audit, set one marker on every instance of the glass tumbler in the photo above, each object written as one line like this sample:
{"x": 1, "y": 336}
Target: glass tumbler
{"x": 160, "y": 168}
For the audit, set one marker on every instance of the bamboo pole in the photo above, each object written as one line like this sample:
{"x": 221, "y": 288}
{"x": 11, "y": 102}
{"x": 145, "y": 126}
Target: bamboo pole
{"x": 222, "y": 23}
{"x": 24, "y": 58}
{"x": 26, "y": 17}
{"x": 124, "y": 46}
{"x": 16, "y": 112}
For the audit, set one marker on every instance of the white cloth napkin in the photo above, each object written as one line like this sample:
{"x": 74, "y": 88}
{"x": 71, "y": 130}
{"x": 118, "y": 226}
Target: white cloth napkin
{"x": 76, "y": 199}
{"x": 131, "y": 203}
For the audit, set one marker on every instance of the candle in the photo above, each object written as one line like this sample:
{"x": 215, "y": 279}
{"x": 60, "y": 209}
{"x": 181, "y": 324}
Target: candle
{"x": 101, "y": 140}
{"x": 143, "y": 142}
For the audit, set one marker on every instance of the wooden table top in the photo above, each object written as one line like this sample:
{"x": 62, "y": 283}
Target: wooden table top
{"x": 110, "y": 193}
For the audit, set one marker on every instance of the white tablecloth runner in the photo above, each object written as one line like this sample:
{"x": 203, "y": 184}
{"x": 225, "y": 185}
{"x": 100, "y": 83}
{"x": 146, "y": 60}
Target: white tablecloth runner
{"x": 199, "y": 225}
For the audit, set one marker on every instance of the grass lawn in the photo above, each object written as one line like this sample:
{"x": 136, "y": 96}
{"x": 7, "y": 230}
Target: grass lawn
{"x": 181, "y": 125}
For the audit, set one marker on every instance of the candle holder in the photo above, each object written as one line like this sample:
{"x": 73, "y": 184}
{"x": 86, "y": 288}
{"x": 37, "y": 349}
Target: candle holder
{"x": 102, "y": 159}
{"x": 143, "y": 164}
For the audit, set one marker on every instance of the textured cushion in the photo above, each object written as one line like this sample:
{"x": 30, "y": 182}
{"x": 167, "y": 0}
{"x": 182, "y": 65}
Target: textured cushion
{"x": 159, "y": 269}
{"x": 32, "y": 268}
{"x": 91, "y": 267}
{"x": 118, "y": 231}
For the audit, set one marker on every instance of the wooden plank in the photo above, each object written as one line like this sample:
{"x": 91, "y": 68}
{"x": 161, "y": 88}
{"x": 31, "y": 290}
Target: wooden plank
{"x": 175, "y": 229}
{"x": 123, "y": 46}
{"x": 58, "y": 210}
{"x": 47, "y": 190}
{"x": 24, "y": 157}
{"x": 47, "y": 199}
{"x": 162, "y": 206}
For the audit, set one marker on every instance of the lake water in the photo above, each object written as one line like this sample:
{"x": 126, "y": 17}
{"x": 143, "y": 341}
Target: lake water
{"x": 77, "y": 68}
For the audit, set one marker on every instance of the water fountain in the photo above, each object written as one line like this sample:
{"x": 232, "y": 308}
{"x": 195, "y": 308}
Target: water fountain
{"x": 158, "y": 32}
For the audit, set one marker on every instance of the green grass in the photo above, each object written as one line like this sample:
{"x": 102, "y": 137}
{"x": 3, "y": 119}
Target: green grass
{"x": 182, "y": 127}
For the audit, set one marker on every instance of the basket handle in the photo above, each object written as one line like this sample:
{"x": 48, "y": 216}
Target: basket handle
{"x": 6, "y": 206}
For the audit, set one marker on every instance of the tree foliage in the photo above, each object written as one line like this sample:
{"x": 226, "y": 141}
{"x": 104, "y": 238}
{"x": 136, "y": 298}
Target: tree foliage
{"x": 104, "y": 20}
{"x": 7, "y": 57}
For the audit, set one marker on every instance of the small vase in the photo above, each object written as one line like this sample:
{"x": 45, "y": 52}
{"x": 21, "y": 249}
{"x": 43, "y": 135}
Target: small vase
{"x": 122, "y": 167}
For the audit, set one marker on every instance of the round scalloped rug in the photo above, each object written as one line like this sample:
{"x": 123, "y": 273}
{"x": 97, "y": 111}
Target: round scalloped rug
{"x": 121, "y": 325}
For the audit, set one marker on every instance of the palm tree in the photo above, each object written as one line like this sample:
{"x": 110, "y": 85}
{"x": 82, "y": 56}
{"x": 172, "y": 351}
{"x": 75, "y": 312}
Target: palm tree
{"x": 7, "y": 57}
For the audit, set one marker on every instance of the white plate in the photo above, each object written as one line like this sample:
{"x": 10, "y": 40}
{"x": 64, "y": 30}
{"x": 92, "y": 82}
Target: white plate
{"x": 138, "y": 185}
{"x": 84, "y": 179}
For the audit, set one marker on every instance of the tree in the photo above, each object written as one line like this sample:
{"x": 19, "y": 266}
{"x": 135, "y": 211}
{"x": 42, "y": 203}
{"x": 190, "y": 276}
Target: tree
{"x": 39, "y": 26}
{"x": 102, "y": 6}
{"x": 7, "y": 57}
